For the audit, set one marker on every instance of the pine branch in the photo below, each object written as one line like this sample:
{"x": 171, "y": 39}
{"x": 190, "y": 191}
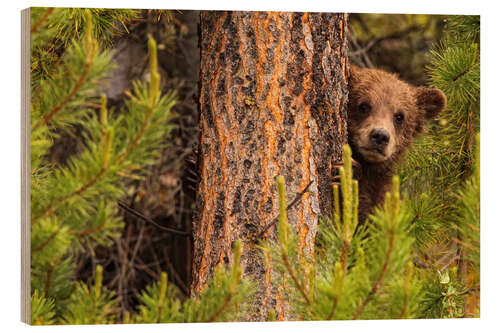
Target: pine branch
{"x": 338, "y": 283}
{"x": 407, "y": 285}
{"x": 392, "y": 210}
{"x": 42, "y": 20}
{"x": 91, "y": 48}
{"x": 350, "y": 205}
{"x": 57, "y": 202}
{"x": 136, "y": 139}
{"x": 87, "y": 232}
{"x": 65, "y": 101}
{"x": 378, "y": 282}
{"x": 221, "y": 309}
{"x": 65, "y": 86}
{"x": 294, "y": 278}
{"x": 47, "y": 241}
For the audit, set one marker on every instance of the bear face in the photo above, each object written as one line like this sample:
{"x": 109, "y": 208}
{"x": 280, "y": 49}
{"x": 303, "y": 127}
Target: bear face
{"x": 385, "y": 113}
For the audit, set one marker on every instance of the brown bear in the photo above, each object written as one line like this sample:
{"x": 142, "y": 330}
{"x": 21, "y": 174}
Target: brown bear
{"x": 384, "y": 115}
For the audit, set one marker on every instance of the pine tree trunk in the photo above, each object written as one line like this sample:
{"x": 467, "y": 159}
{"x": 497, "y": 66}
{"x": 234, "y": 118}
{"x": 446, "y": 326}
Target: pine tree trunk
{"x": 273, "y": 91}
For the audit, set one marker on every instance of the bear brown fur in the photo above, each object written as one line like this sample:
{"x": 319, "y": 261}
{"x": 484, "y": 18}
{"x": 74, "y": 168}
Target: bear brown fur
{"x": 384, "y": 115}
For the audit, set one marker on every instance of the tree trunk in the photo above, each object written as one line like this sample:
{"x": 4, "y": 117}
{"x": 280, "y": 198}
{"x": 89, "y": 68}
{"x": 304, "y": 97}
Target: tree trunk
{"x": 273, "y": 91}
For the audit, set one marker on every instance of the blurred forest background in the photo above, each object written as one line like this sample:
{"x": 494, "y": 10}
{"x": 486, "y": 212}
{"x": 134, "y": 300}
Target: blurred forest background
{"x": 155, "y": 207}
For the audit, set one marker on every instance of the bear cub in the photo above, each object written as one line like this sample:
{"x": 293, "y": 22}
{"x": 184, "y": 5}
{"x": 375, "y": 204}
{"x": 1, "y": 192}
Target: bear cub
{"x": 384, "y": 115}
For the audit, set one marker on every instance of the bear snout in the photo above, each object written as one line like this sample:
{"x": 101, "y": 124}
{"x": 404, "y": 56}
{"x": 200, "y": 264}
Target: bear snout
{"x": 379, "y": 138}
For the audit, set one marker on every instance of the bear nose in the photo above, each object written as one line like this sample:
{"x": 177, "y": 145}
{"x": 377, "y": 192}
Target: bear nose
{"x": 379, "y": 137}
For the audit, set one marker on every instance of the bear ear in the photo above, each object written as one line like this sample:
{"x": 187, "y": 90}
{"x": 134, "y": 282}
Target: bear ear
{"x": 431, "y": 100}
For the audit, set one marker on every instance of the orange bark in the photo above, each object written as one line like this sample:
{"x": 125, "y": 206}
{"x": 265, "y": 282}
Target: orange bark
{"x": 273, "y": 92}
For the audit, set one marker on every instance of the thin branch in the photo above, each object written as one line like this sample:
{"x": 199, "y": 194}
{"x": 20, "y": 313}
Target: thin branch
{"x": 294, "y": 278}
{"x": 147, "y": 219}
{"x": 144, "y": 125}
{"x": 469, "y": 291}
{"x": 343, "y": 254}
{"x": 376, "y": 285}
{"x": 50, "y": 207}
{"x": 367, "y": 60}
{"x": 49, "y": 279}
{"x": 469, "y": 67}
{"x": 42, "y": 20}
{"x": 334, "y": 307}
{"x": 68, "y": 97}
{"x": 137, "y": 245}
{"x": 175, "y": 275}
{"x": 343, "y": 262}
{"x": 445, "y": 266}
{"x": 88, "y": 231}
{"x": 364, "y": 49}
{"x": 290, "y": 205}
{"x": 145, "y": 267}
{"x": 46, "y": 241}
{"x": 407, "y": 295}
{"x": 405, "y": 305}
{"x": 221, "y": 309}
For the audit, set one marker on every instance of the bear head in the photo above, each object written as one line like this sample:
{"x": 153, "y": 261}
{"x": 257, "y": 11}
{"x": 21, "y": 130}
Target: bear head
{"x": 385, "y": 113}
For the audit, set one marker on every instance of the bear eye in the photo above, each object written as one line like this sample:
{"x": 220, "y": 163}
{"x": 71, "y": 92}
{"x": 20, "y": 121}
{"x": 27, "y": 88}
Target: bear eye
{"x": 398, "y": 118}
{"x": 364, "y": 108}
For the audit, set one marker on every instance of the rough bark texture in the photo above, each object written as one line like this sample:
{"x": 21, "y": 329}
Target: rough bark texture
{"x": 272, "y": 102}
